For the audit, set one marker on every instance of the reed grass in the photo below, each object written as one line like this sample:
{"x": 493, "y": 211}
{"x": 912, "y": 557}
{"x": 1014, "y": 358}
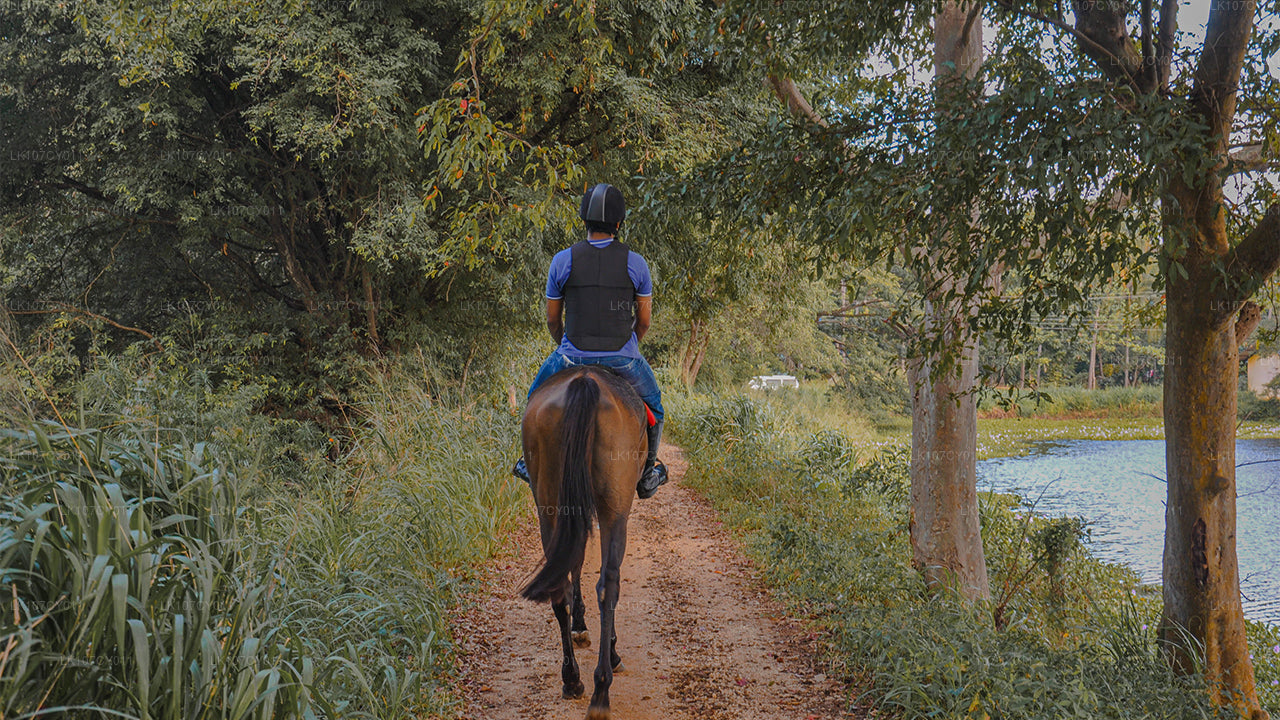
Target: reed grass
{"x": 189, "y": 558}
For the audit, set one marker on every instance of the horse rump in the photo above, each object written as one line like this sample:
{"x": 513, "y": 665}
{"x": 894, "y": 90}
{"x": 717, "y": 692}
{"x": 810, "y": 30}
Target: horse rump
{"x": 575, "y": 512}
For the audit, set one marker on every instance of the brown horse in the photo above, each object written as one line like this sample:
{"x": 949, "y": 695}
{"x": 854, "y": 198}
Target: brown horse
{"x": 585, "y": 445}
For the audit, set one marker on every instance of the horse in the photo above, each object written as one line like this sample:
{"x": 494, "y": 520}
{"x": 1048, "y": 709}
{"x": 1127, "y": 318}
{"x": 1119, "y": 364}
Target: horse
{"x": 585, "y": 445}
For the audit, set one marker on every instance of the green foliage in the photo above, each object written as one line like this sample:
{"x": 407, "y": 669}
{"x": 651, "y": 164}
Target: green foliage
{"x": 130, "y": 590}
{"x": 887, "y": 475}
{"x": 279, "y": 192}
{"x": 1078, "y": 638}
{"x": 193, "y": 558}
{"x": 1251, "y": 406}
{"x": 1077, "y": 402}
{"x": 373, "y": 556}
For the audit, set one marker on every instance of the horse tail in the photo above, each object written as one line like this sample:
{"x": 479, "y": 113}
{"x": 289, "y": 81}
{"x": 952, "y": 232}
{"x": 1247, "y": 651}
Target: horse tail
{"x": 576, "y": 509}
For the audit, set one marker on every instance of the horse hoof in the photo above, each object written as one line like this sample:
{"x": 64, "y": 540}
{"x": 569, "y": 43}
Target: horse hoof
{"x": 582, "y": 639}
{"x": 619, "y": 668}
{"x": 597, "y": 713}
{"x": 573, "y": 692}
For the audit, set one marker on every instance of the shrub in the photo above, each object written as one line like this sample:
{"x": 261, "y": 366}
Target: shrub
{"x": 1077, "y": 638}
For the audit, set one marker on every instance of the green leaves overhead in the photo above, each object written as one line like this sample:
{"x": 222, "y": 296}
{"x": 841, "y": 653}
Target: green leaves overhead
{"x": 1065, "y": 167}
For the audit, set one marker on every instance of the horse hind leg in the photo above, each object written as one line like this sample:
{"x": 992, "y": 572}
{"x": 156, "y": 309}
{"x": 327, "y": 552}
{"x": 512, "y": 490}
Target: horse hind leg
{"x": 581, "y": 638}
{"x": 615, "y": 659}
{"x": 573, "y": 687}
{"x": 613, "y": 546}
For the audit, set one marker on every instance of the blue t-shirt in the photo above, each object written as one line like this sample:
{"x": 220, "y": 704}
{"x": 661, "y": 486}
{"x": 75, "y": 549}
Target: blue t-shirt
{"x": 637, "y": 268}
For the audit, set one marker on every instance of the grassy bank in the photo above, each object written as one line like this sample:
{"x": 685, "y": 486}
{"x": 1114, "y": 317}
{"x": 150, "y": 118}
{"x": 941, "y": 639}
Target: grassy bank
{"x": 1074, "y": 402}
{"x": 826, "y": 516}
{"x": 180, "y": 555}
{"x": 1002, "y": 437}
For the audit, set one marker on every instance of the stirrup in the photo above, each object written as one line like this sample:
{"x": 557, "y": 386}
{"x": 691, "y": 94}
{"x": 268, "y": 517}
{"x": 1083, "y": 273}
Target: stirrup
{"x": 522, "y": 471}
{"x": 653, "y": 478}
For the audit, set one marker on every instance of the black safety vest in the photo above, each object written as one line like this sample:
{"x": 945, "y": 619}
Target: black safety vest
{"x": 599, "y": 298}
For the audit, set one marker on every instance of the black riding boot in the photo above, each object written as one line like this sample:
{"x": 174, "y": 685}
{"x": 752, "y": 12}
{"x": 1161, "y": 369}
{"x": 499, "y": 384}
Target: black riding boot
{"x": 655, "y": 473}
{"x": 522, "y": 471}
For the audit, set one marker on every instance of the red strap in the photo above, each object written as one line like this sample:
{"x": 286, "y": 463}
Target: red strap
{"x": 649, "y": 414}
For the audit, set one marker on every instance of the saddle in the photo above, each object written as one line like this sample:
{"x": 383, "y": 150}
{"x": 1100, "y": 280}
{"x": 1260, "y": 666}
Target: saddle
{"x": 649, "y": 417}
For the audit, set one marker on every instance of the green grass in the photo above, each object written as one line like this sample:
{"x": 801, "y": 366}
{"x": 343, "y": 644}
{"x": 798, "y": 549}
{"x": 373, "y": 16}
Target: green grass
{"x": 130, "y": 586}
{"x": 1071, "y": 401}
{"x": 826, "y": 517}
{"x": 1003, "y": 437}
{"x": 266, "y": 573}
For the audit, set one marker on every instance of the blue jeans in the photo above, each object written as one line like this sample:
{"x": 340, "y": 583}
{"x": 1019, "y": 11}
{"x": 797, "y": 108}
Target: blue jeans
{"x": 635, "y": 370}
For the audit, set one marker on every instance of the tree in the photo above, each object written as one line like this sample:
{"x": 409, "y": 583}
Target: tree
{"x": 946, "y": 540}
{"x": 945, "y": 536}
{"x": 1087, "y": 143}
{"x": 1209, "y": 280}
{"x": 320, "y": 180}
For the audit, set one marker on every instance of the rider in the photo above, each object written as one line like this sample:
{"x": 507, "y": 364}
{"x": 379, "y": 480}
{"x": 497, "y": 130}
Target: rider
{"x": 604, "y": 291}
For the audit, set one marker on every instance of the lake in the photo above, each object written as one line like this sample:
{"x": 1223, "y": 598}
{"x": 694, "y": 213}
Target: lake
{"x": 1118, "y": 487}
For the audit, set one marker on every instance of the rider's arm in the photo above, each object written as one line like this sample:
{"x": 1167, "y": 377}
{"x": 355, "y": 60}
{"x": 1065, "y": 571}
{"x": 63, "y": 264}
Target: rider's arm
{"x": 555, "y": 320}
{"x": 643, "y": 306}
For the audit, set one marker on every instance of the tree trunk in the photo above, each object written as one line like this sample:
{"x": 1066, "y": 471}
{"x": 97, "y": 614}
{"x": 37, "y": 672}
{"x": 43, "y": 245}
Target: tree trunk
{"x": 370, "y": 304}
{"x": 283, "y": 239}
{"x": 946, "y": 539}
{"x": 1092, "y": 382}
{"x": 1208, "y": 284}
{"x": 1201, "y": 574}
{"x": 946, "y": 542}
{"x": 694, "y": 350}
{"x": 1128, "y": 382}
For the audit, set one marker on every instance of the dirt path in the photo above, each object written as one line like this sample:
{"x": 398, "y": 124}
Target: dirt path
{"x": 698, "y": 635}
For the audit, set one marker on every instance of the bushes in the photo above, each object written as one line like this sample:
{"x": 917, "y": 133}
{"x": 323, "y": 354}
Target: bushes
{"x": 1072, "y": 401}
{"x": 270, "y": 572}
{"x": 129, "y": 588}
{"x": 827, "y": 519}
{"x": 935, "y": 659}
{"x": 374, "y": 555}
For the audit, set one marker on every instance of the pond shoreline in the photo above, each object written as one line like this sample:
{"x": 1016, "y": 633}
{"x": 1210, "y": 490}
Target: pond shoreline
{"x": 1116, "y": 486}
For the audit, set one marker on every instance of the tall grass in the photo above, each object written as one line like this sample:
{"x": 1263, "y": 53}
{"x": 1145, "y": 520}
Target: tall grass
{"x": 375, "y": 555}
{"x": 1140, "y": 401}
{"x": 827, "y": 518}
{"x": 130, "y": 594}
{"x": 187, "y": 557}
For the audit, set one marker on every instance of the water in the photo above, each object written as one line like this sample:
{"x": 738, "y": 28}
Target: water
{"x": 1118, "y": 487}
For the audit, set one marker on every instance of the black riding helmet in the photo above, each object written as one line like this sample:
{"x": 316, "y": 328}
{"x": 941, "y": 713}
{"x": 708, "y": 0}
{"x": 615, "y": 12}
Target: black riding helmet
{"x": 603, "y": 208}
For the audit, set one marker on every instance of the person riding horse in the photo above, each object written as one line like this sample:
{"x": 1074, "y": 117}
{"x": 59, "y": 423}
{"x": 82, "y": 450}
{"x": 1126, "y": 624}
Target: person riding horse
{"x": 604, "y": 291}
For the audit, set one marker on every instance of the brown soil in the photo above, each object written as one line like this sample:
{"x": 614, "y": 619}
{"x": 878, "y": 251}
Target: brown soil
{"x": 698, "y": 634}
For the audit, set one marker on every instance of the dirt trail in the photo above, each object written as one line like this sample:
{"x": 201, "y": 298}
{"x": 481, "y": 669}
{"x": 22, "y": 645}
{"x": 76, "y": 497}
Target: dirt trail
{"x": 698, "y": 635}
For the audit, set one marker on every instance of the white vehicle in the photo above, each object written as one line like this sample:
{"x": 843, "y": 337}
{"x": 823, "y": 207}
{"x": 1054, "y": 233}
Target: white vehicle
{"x": 773, "y": 382}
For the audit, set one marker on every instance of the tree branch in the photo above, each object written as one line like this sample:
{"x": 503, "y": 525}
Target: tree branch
{"x": 1109, "y": 44}
{"x": 1148, "y": 44}
{"x": 789, "y": 94}
{"x": 251, "y": 273}
{"x": 963, "y": 39}
{"x": 1088, "y": 44}
{"x": 1250, "y": 316}
{"x": 846, "y": 308}
{"x": 65, "y": 308}
{"x": 1250, "y": 158}
{"x": 1217, "y": 75}
{"x": 1250, "y": 263}
{"x": 1164, "y": 42}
